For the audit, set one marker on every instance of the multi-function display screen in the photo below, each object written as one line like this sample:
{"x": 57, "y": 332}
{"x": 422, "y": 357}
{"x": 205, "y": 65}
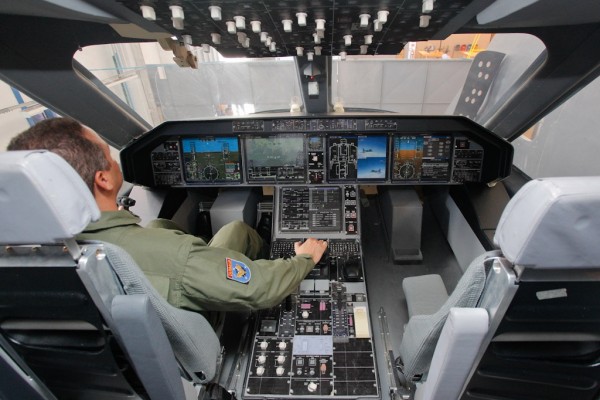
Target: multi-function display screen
{"x": 276, "y": 158}
{"x": 211, "y": 159}
{"x": 355, "y": 157}
{"x": 424, "y": 158}
{"x": 317, "y": 209}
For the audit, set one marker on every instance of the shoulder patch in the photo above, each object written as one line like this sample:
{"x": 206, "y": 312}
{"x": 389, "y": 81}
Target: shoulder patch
{"x": 237, "y": 271}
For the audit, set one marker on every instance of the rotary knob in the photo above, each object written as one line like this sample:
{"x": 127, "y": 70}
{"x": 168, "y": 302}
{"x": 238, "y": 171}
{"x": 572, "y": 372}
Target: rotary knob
{"x": 260, "y": 371}
{"x": 279, "y": 371}
{"x": 312, "y": 386}
{"x": 262, "y": 359}
{"x": 280, "y": 359}
{"x": 264, "y": 345}
{"x": 282, "y": 345}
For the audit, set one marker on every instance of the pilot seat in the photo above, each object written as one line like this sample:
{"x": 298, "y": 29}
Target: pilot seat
{"x": 80, "y": 320}
{"x": 522, "y": 321}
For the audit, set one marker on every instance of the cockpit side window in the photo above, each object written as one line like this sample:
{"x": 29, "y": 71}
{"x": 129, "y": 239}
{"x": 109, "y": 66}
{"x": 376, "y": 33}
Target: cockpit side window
{"x": 564, "y": 143}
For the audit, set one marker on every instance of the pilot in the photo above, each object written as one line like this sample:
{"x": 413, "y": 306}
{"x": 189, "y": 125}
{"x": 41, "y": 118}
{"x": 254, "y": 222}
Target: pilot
{"x": 224, "y": 275}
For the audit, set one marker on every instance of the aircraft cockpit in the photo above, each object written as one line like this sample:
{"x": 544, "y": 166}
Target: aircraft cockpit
{"x": 299, "y": 177}
{"x": 444, "y": 151}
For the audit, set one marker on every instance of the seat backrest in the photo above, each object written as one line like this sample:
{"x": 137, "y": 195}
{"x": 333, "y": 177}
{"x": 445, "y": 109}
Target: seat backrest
{"x": 44, "y": 201}
{"x": 37, "y": 199}
{"x": 552, "y": 223}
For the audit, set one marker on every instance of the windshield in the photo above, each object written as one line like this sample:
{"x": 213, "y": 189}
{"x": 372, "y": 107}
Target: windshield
{"x": 426, "y": 78}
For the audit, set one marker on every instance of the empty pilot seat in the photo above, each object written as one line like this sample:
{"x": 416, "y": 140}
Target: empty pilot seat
{"x": 80, "y": 320}
{"x": 428, "y": 307}
{"x": 550, "y": 224}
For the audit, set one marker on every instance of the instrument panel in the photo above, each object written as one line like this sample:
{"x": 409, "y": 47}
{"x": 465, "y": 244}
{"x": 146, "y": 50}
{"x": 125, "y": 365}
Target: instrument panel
{"x": 315, "y": 151}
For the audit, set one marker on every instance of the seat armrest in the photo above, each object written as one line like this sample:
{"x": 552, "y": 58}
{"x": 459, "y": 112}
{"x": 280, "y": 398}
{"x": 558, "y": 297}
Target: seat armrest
{"x": 454, "y": 354}
{"x": 147, "y": 346}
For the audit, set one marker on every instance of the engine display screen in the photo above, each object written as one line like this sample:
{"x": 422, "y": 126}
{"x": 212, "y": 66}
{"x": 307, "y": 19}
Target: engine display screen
{"x": 424, "y": 158}
{"x": 357, "y": 158}
{"x": 211, "y": 159}
{"x": 276, "y": 158}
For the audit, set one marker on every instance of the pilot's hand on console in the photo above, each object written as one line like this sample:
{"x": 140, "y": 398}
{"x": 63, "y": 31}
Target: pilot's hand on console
{"x": 313, "y": 247}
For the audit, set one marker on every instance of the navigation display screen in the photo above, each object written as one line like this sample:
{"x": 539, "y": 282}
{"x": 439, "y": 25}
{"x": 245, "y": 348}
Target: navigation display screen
{"x": 424, "y": 158}
{"x": 352, "y": 158}
{"x": 276, "y": 158}
{"x": 211, "y": 159}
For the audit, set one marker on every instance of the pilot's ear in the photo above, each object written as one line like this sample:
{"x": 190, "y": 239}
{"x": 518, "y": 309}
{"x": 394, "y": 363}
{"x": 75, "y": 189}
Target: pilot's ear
{"x": 103, "y": 181}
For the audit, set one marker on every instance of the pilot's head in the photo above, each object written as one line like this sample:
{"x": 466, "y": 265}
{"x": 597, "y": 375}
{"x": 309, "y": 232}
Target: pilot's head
{"x": 79, "y": 145}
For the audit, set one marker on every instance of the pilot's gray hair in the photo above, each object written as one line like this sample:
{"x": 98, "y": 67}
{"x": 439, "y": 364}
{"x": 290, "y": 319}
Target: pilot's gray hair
{"x": 64, "y": 136}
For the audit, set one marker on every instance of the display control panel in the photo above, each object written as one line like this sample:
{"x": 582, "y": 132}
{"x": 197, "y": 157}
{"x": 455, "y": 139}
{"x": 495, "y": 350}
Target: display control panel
{"x": 317, "y": 151}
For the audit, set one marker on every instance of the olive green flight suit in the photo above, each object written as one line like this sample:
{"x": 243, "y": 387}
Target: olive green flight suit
{"x": 220, "y": 276}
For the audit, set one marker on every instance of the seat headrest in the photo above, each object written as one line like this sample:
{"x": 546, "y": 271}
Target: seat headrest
{"x": 553, "y": 223}
{"x": 42, "y": 199}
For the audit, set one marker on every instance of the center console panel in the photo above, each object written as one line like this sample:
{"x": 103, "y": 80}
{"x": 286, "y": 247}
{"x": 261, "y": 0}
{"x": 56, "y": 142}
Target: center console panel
{"x": 318, "y": 345}
{"x": 318, "y": 342}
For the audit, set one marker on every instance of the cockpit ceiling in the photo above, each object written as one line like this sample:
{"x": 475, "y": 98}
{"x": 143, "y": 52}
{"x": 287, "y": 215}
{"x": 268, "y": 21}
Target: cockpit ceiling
{"x": 407, "y": 20}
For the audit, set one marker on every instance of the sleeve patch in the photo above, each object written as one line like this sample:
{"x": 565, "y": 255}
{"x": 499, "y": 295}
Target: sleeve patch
{"x": 237, "y": 271}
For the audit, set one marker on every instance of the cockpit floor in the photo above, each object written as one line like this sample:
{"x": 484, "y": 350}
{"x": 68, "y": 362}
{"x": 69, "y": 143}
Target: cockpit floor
{"x": 384, "y": 277}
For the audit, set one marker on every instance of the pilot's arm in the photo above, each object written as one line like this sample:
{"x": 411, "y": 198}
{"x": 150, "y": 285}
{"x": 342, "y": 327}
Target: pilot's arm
{"x": 218, "y": 279}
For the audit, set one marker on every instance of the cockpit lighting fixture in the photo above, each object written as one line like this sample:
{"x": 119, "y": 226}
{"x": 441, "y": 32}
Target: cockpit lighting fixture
{"x": 231, "y": 27}
{"x": 364, "y": 20}
{"x": 255, "y": 26}
{"x": 427, "y": 6}
{"x": 320, "y": 24}
{"x": 215, "y": 13}
{"x": 177, "y": 17}
{"x": 240, "y": 22}
{"x": 377, "y": 25}
{"x": 148, "y": 13}
{"x": 301, "y": 18}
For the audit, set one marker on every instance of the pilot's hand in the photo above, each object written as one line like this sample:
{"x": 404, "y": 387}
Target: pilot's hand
{"x": 313, "y": 247}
